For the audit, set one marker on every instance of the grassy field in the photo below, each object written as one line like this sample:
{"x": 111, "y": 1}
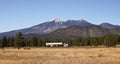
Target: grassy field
{"x": 60, "y": 56}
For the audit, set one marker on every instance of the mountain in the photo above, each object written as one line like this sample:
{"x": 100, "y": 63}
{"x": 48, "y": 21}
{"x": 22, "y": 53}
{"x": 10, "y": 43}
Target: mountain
{"x": 109, "y": 26}
{"x": 82, "y": 31}
{"x": 77, "y": 32}
{"x": 48, "y": 27}
{"x": 81, "y": 22}
{"x": 57, "y": 28}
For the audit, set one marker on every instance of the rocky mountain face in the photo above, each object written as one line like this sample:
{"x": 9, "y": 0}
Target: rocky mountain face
{"x": 47, "y": 27}
{"x": 78, "y": 32}
{"x": 81, "y": 32}
{"x": 69, "y": 29}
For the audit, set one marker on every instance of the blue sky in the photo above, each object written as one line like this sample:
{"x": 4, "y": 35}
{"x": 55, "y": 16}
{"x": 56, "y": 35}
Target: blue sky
{"x": 17, "y": 14}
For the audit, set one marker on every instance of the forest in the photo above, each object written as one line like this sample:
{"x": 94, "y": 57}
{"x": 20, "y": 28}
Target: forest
{"x": 19, "y": 41}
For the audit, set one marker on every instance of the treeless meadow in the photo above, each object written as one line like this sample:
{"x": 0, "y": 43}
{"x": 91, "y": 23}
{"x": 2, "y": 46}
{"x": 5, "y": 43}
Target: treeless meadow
{"x": 73, "y": 55}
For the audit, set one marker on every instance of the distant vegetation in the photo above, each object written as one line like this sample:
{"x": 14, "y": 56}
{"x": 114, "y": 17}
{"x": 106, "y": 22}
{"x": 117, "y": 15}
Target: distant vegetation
{"x": 19, "y": 41}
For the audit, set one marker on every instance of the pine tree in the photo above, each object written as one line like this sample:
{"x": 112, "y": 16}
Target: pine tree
{"x": 0, "y": 44}
{"x": 10, "y": 41}
{"x": 4, "y": 42}
{"x": 34, "y": 41}
{"x": 19, "y": 40}
{"x": 111, "y": 40}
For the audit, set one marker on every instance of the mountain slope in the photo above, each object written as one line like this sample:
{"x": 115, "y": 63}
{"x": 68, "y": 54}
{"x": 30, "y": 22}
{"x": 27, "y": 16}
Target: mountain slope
{"x": 81, "y": 22}
{"x": 47, "y": 27}
{"x": 80, "y": 31}
{"x": 109, "y": 26}
{"x": 69, "y": 28}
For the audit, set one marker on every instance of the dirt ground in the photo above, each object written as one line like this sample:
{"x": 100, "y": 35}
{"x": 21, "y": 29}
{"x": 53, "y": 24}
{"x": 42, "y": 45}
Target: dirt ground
{"x": 60, "y": 56}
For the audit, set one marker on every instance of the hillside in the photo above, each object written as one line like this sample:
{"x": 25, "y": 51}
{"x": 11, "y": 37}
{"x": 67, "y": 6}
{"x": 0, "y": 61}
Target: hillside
{"x": 78, "y": 32}
{"x": 57, "y": 28}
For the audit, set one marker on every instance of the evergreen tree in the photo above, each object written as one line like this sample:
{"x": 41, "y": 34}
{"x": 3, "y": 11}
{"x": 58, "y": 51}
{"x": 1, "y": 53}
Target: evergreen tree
{"x": 4, "y": 42}
{"x": 19, "y": 40}
{"x": 35, "y": 41}
{"x": 41, "y": 42}
{"x": 10, "y": 41}
{"x": 95, "y": 41}
{"x": 0, "y": 44}
{"x": 111, "y": 40}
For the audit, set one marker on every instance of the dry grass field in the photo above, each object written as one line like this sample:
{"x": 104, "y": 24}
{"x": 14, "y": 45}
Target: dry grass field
{"x": 60, "y": 56}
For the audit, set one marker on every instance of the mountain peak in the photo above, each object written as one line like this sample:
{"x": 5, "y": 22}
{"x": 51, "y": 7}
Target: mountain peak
{"x": 83, "y": 20}
{"x": 54, "y": 24}
{"x": 105, "y": 24}
{"x": 56, "y": 20}
{"x": 109, "y": 26}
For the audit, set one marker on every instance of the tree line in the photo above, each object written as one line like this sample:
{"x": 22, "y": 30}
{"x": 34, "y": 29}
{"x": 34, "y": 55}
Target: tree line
{"x": 19, "y": 41}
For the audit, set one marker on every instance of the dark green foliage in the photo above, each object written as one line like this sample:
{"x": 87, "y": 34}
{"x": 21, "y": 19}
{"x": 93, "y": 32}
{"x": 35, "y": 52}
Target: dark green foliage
{"x": 34, "y": 41}
{"x": 110, "y": 40}
{"x": 41, "y": 42}
{"x": 0, "y": 44}
{"x": 95, "y": 41}
{"x": 4, "y": 42}
{"x": 11, "y": 41}
{"x": 19, "y": 40}
{"x": 27, "y": 43}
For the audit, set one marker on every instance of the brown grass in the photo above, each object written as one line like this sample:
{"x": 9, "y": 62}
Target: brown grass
{"x": 60, "y": 56}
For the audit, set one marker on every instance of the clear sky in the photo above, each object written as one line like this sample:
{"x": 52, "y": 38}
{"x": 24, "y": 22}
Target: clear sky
{"x": 17, "y": 14}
